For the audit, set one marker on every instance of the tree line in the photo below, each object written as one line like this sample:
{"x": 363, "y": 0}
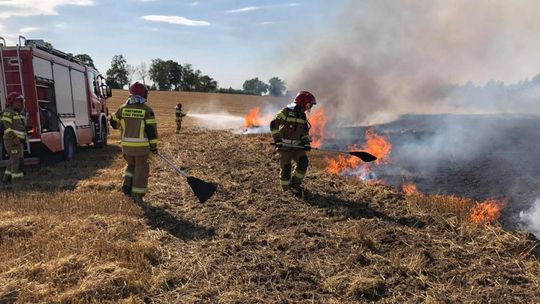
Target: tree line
{"x": 169, "y": 75}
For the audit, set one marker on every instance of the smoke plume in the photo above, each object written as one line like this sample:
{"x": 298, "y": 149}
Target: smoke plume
{"x": 385, "y": 58}
{"x": 532, "y": 218}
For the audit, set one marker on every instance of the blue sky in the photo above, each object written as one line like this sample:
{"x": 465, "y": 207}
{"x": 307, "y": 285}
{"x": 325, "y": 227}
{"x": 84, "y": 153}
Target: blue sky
{"x": 231, "y": 41}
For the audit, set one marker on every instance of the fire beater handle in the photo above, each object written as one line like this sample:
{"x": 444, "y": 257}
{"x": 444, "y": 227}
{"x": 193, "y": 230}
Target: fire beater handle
{"x": 202, "y": 190}
{"x": 363, "y": 155}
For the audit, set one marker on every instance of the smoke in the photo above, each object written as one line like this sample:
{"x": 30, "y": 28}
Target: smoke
{"x": 531, "y": 217}
{"x": 220, "y": 121}
{"x": 385, "y": 58}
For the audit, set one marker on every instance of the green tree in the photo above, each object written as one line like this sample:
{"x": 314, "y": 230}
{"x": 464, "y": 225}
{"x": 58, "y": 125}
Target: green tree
{"x": 207, "y": 84}
{"x": 85, "y": 59}
{"x": 118, "y": 73}
{"x": 189, "y": 78}
{"x": 277, "y": 87}
{"x": 255, "y": 86}
{"x": 175, "y": 74}
{"x": 159, "y": 73}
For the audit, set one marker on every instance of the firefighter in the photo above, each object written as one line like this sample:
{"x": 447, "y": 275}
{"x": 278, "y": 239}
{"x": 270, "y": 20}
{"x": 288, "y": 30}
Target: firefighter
{"x": 14, "y": 137}
{"x": 291, "y": 127}
{"x": 179, "y": 116}
{"x": 138, "y": 128}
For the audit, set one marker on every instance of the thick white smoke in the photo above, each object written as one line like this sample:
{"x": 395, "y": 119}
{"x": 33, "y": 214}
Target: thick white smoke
{"x": 220, "y": 120}
{"x": 531, "y": 217}
{"x": 386, "y": 58}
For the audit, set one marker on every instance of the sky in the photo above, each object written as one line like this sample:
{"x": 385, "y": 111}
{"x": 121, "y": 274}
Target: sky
{"x": 229, "y": 40}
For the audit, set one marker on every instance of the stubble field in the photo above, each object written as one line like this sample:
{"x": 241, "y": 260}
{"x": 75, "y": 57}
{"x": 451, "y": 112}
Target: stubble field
{"x": 68, "y": 235}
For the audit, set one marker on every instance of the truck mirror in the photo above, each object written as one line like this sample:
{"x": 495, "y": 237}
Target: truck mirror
{"x": 109, "y": 92}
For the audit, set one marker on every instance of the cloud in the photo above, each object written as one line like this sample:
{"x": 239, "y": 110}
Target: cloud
{"x": 12, "y": 8}
{"x": 149, "y": 0}
{"x": 175, "y": 20}
{"x": 195, "y": 3}
{"x": 26, "y": 30}
{"x": 256, "y": 8}
{"x": 245, "y": 9}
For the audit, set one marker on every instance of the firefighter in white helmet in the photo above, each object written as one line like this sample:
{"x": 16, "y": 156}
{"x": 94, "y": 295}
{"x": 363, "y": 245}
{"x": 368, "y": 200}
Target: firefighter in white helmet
{"x": 14, "y": 136}
{"x": 138, "y": 127}
{"x": 290, "y": 127}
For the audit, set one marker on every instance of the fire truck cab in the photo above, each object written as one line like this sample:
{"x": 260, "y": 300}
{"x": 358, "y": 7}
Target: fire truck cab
{"x": 65, "y": 99}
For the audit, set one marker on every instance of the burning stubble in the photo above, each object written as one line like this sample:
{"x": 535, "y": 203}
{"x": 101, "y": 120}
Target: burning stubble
{"x": 383, "y": 59}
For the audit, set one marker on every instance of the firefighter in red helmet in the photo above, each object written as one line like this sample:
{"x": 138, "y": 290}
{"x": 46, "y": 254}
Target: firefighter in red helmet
{"x": 14, "y": 137}
{"x": 179, "y": 115}
{"x": 290, "y": 131}
{"x": 138, "y": 128}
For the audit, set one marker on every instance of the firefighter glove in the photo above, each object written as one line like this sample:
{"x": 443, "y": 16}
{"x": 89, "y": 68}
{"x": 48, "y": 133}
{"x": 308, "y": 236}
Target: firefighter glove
{"x": 153, "y": 149}
{"x": 279, "y": 145}
{"x": 307, "y": 148}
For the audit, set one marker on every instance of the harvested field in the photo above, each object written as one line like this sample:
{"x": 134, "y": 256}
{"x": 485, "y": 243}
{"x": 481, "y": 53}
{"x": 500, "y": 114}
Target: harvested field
{"x": 72, "y": 236}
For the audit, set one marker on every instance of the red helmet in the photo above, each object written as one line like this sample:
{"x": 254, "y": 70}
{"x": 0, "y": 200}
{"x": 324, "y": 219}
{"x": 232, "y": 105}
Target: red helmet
{"x": 178, "y": 105}
{"x": 138, "y": 89}
{"x": 12, "y": 97}
{"x": 303, "y": 98}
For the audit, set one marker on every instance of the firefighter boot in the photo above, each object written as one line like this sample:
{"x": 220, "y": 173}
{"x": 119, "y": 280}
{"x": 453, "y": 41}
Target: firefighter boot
{"x": 296, "y": 187}
{"x": 137, "y": 199}
{"x": 6, "y": 182}
{"x": 126, "y": 187}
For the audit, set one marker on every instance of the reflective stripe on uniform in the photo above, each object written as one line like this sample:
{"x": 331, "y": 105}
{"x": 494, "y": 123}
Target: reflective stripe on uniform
{"x": 17, "y": 117}
{"x": 17, "y": 175}
{"x": 153, "y": 141}
{"x": 280, "y": 115}
{"x": 275, "y": 131}
{"x": 19, "y": 134}
{"x": 296, "y": 120}
{"x": 291, "y": 142}
{"x": 151, "y": 121}
{"x": 113, "y": 117}
{"x": 127, "y": 174}
{"x": 138, "y": 190}
{"x": 5, "y": 118}
{"x": 299, "y": 175}
{"x": 285, "y": 182}
{"x": 141, "y": 130}
{"x": 135, "y": 144}
{"x": 7, "y": 173}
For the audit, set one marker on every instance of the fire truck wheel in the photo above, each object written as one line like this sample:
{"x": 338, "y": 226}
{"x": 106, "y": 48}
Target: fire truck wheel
{"x": 70, "y": 147}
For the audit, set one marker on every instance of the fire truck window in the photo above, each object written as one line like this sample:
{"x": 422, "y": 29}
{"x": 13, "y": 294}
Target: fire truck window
{"x": 92, "y": 84}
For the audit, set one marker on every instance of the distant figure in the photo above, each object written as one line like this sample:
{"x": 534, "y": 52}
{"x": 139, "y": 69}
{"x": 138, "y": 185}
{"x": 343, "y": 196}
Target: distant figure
{"x": 290, "y": 131}
{"x": 138, "y": 127}
{"x": 179, "y": 116}
{"x": 14, "y": 136}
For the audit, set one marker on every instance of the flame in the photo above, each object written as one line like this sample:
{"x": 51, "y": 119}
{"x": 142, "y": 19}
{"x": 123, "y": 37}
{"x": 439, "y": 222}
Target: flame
{"x": 349, "y": 165}
{"x": 318, "y": 122}
{"x": 487, "y": 211}
{"x": 377, "y": 145}
{"x": 410, "y": 189}
{"x": 254, "y": 118}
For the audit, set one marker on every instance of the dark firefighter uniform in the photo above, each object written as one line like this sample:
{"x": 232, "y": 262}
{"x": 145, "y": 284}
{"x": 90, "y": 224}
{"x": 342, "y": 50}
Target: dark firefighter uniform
{"x": 290, "y": 126}
{"x": 138, "y": 128}
{"x": 14, "y": 137}
{"x": 179, "y": 115}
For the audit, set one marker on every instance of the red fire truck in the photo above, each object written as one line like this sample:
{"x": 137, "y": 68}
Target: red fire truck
{"x": 65, "y": 99}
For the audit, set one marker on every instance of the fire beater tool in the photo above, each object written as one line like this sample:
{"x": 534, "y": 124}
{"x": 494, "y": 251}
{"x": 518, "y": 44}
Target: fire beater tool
{"x": 202, "y": 190}
{"x": 363, "y": 155}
